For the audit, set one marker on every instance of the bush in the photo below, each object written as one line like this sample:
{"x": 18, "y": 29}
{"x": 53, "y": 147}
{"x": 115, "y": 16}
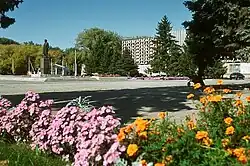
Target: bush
{"x": 220, "y": 136}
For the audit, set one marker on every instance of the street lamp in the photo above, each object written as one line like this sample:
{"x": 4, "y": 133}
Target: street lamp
{"x": 75, "y": 64}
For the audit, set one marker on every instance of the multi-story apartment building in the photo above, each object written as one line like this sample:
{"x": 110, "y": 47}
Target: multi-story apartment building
{"x": 141, "y": 49}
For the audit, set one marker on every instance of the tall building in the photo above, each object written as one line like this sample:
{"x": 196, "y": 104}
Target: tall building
{"x": 141, "y": 48}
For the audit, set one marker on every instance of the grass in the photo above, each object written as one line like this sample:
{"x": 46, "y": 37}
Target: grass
{"x": 22, "y": 155}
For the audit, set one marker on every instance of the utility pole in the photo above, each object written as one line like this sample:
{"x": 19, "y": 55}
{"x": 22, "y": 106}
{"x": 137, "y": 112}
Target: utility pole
{"x": 75, "y": 65}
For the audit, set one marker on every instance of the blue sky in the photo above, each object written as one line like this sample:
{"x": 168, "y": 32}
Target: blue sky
{"x": 60, "y": 21}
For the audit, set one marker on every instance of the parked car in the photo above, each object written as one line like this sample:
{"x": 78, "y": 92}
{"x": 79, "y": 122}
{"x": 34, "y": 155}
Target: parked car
{"x": 237, "y": 76}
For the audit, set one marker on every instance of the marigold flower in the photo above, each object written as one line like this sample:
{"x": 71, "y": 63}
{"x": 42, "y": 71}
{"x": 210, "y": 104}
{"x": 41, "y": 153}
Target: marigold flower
{"x": 238, "y": 103}
{"x": 207, "y": 141}
{"x": 201, "y": 134}
{"x": 140, "y": 124}
{"x": 191, "y": 125}
{"x": 242, "y": 159}
{"x": 214, "y": 98}
{"x": 203, "y": 100}
{"x": 225, "y": 142}
{"x": 209, "y": 90}
{"x": 143, "y": 135}
{"x": 238, "y": 94}
{"x": 226, "y": 91}
{"x": 159, "y": 164}
{"x": 121, "y": 136}
{"x": 169, "y": 158}
{"x": 197, "y": 86}
{"x": 229, "y": 130}
{"x": 132, "y": 149}
{"x": 238, "y": 152}
{"x": 219, "y": 82}
{"x": 162, "y": 115}
{"x": 248, "y": 98}
{"x": 230, "y": 151}
{"x": 143, "y": 163}
{"x": 228, "y": 120}
{"x": 190, "y": 96}
{"x": 129, "y": 128}
{"x": 180, "y": 130}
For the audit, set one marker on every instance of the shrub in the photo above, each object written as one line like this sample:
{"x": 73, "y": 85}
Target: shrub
{"x": 219, "y": 136}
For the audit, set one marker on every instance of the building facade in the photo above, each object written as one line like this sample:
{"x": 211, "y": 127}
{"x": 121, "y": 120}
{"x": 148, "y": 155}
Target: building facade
{"x": 141, "y": 48}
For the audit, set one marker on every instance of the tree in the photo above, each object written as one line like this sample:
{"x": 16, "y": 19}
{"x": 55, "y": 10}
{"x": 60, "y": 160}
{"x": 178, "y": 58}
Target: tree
{"x": 126, "y": 65}
{"x": 218, "y": 29}
{"x": 165, "y": 48}
{"x": 6, "y": 41}
{"x": 102, "y": 49}
{"x": 6, "y": 6}
{"x": 217, "y": 70}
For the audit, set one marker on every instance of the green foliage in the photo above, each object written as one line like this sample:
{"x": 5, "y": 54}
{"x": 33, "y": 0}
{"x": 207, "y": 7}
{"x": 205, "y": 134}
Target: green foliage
{"x": 217, "y": 70}
{"x": 166, "y": 50}
{"x": 6, "y": 6}
{"x": 22, "y": 155}
{"x": 218, "y": 29}
{"x": 6, "y": 41}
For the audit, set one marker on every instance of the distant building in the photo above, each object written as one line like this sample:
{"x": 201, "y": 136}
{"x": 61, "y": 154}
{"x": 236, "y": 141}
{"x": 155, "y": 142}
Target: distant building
{"x": 141, "y": 48}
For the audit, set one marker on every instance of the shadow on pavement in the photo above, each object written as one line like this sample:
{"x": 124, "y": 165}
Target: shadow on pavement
{"x": 127, "y": 102}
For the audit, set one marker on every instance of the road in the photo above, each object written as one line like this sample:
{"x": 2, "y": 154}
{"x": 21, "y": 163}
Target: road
{"x": 130, "y": 98}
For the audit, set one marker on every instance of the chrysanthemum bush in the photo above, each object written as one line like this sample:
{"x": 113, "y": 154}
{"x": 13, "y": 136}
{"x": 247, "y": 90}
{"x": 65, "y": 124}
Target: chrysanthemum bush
{"x": 219, "y": 135}
{"x": 80, "y": 136}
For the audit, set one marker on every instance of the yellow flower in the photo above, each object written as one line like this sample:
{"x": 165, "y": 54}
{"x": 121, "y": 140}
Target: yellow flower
{"x": 238, "y": 94}
{"x": 203, "y": 100}
{"x": 230, "y": 151}
{"x": 197, "y": 86}
{"x": 228, "y": 120}
{"x": 214, "y": 98}
{"x": 162, "y": 115}
{"x": 207, "y": 141}
{"x": 229, "y": 130}
{"x": 190, "y": 96}
{"x": 246, "y": 138}
{"x": 143, "y": 134}
{"x": 201, "y": 134}
{"x": 239, "y": 151}
{"x": 227, "y": 90}
{"x": 140, "y": 124}
{"x": 242, "y": 159}
{"x": 220, "y": 82}
{"x": 238, "y": 103}
{"x": 169, "y": 158}
{"x": 143, "y": 163}
{"x": 159, "y": 164}
{"x": 248, "y": 98}
{"x": 191, "y": 125}
{"x": 209, "y": 90}
{"x": 225, "y": 142}
{"x": 132, "y": 149}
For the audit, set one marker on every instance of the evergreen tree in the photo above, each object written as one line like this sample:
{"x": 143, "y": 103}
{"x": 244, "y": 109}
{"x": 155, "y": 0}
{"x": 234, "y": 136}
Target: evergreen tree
{"x": 165, "y": 48}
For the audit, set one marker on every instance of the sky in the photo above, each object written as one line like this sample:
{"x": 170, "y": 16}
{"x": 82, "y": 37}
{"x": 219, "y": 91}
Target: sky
{"x": 60, "y": 21}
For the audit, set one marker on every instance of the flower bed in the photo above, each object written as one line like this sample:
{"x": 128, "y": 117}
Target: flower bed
{"x": 220, "y": 136}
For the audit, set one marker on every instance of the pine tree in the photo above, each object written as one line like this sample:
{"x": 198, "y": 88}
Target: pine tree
{"x": 165, "y": 48}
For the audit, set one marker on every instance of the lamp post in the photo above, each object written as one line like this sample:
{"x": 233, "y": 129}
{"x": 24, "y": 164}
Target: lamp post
{"x": 75, "y": 64}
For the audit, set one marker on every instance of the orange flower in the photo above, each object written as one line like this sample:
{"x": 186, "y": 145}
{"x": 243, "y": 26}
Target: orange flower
{"x": 207, "y": 141}
{"x": 132, "y": 149}
{"x": 140, "y": 124}
{"x": 248, "y": 98}
{"x": 143, "y": 163}
{"x": 209, "y": 90}
{"x": 242, "y": 159}
{"x": 203, "y": 100}
{"x": 225, "y": 142}
{"x": 121, "y": 136}
{"x": 228, "y": 120}
{"x": 201, "y": 134}
{"x": 227, "y": 90}
{"x": 238, "y": 94}
{"x": 230, "y": 151}
{"x": 215, "y": 98}
{"x": 129, "y": 128}
{"x": 229, "y": 130}
{"x": 162, "y": 115}
{"x": 180, "y": 130}
{"x": 197, "y": 86}
{"x": 159, "y": 164}
{"x": 238, "y": 103}
{"x": 220, "y": 82}
{"x": 143, "y": 135}
{"x": 239, "y": 151}
{"x": 190, "y": 96}
{"x": 191, "y": 125}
